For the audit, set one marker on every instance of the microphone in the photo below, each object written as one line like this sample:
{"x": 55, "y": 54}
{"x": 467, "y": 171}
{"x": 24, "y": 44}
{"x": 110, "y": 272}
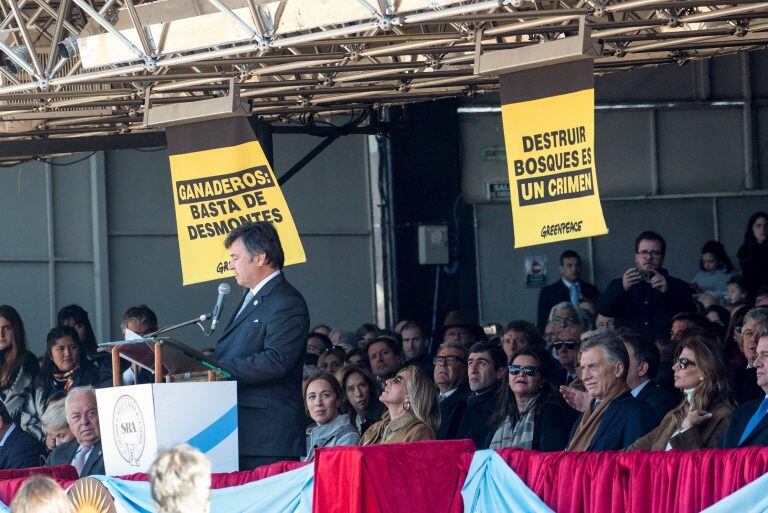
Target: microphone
{"x": 223, "y": 293}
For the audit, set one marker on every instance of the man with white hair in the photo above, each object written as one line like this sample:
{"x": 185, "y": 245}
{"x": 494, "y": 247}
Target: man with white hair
{"x": 180, "y": 480}
{"x": 84, "y": 452}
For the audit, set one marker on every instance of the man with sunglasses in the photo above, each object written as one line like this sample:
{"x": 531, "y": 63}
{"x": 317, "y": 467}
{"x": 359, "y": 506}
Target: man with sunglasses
{"x": 749, "y": 423}
{"x": 567, "y": 344}
{"x": 451, "y": 379}
{"x": 646, "y": 297}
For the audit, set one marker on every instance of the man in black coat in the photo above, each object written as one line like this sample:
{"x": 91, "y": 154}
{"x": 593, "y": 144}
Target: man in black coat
{"x": 451, "y": 379}
{"x": 614, "y": 419}
{"x": 644, "y": 360}
{"x": 262, "y": 346}
{"x": 745, "y": 386}
{"x": 749, "y": 423}
{"x": 84, "y": 452}
{"x": 416, "y": 347}
{"x": 18, "y": 449}
{"x": 486, "y": 366}
{"x": 646, "y": 297}
{"x": 569, "y": 287}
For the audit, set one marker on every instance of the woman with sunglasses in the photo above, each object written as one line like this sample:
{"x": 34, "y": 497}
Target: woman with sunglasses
{"x": 701, "y": 419}
{"x": 530, "y": 414}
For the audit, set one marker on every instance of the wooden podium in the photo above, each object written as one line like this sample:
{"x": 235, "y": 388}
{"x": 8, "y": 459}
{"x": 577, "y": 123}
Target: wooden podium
{"x": 168, "y": 359}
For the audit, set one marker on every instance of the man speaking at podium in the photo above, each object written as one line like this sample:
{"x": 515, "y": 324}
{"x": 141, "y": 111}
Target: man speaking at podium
{"x": 262, "y": 346}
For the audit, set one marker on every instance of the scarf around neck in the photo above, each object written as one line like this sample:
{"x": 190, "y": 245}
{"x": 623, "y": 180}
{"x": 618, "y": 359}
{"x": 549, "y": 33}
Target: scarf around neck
{"x": 64, "y": 379}
{"x": 593, "y": 415}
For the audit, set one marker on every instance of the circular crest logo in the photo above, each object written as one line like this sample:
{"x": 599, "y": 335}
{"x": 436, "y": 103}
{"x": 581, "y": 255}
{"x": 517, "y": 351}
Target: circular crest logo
{"x": 129, "y": 430}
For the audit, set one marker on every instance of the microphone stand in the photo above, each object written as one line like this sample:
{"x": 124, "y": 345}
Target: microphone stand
{"x": 196, "y": 320}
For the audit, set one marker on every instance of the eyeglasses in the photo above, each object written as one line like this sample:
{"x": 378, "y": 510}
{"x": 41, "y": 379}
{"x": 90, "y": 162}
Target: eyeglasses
{"x": 683, "y": 363}
{"x": 567, "y": 320}
{"x": 527, "y": 370}
{"x": 739, "y": 329}
{"x": 652, "y": 253}
{"x": 569, "y": 344}
{"x": 448, "y": 360}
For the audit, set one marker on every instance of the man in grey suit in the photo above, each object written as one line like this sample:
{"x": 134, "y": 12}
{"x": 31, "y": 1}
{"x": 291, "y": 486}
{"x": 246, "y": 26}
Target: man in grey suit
{"x": 84, "y": 452}
{"x": 262, "y": 346}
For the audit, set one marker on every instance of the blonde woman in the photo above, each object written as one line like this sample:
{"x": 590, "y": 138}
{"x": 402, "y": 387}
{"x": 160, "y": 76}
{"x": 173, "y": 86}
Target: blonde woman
{"x": 412, "y": 410}
{"x": 40, "y": 494}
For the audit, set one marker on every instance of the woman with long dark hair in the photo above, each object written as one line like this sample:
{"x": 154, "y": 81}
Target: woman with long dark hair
{"x": 530, "y": 414}
{"x": 753, "y": 254}
{"x": 18, "y": 367}
{"x": 64, "y": 366}
{"x": 361, "y": 393}
{"x": 74, "y": 316}
{"x": 700, "y": 421}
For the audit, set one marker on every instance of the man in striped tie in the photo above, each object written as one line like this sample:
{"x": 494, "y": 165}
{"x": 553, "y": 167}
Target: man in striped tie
{"x": 749, "y": 423}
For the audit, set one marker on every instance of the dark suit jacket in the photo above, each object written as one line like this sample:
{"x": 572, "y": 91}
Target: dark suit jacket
{"x": 556, "y": 293}
{"x": 644, "y": 309}
{"x": 738, "y": 424}
{"x": 20, "y": 450}
{"x": 451, "y": 412}
{"x": 662, "y": 401}
{"x": 63, "y": 454}
{"x": 625, "y": 420}
{"x": 475, "y": 422}
{"x": 263, "y": 349}
{"x": 552, "y": 426}
{"x": 745, "y": 387}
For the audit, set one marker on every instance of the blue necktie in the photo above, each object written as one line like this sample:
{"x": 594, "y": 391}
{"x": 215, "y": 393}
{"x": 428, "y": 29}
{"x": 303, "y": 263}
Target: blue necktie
{"x": 575, "y": 296}
{"x": 755, "y": 420}
{"x": 248, "y": 298}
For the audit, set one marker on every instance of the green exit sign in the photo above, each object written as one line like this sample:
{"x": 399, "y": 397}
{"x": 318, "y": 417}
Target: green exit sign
{"x": 497, "y": 191}
{"x": 494, "y": 154}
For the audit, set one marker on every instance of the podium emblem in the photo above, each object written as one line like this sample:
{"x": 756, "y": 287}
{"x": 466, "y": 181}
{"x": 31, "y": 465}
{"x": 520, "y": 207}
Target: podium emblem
{"x": 129, "y": 430}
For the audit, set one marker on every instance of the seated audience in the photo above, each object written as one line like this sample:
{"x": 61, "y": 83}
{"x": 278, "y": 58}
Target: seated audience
{"x": 733, "y": 339}
{"x": 749, "y": 423}
{"x": 486, "y": 367}
{"x": 84, "y": 452}
{"x": 459, "y": 328}
{"x": 331, "y": 360}
{"x": 604, "y": 323}
{"x": 41, "y": 494}
{"x": 318, "y": 343}
{"x": 563, "y": 315}
{"x": 18, "y": 368}
{"x": 18, "y": 449}
{"x": 761, "y": 296}
{"x": 566, "y": 346}
{"x": 614, "y": 419}
{"x": 644, "y": 361}
{"x": 451, "y": 379}
{"x": 75, "y": 316}
{"x": 323, "y": 329}
{"x": 520, "y": 335}
{"x": 646, "y": 296}
{"x": 362, "y": 395}
{"x": 753, "y": 254}
{"x": 55, "y": 424}
{"x": 530, "y": 414}
{"x": 715, "y": 270}
{"x": 744, "y": 377}
{"x": 356, "y": 356}
{"x": 412, "y": 413}
{"x": 738, "y": 293}
{"x": 368, "y": 332}
{"x": 180, "y": 481}
{"x": 701, "y": 419}
{"x": 64, "y": 366}
{"x": 686, "y": 320}
{"x": 416, "y": 347}
{"x": 385, "y": 355}
{"x": 323, "y": 400}
{"x": 717, "y": 315}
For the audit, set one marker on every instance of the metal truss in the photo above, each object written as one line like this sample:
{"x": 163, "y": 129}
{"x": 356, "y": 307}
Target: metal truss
{"x": 72, "y": 68}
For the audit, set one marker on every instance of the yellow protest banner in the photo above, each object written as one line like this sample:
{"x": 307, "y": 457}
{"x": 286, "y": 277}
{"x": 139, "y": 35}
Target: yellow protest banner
{"x": 549, "y": 132}
{"x": 222, "y": 180}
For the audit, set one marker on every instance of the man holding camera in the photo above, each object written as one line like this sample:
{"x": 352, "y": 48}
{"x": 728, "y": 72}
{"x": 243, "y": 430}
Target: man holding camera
{"x": 646, "y": 297}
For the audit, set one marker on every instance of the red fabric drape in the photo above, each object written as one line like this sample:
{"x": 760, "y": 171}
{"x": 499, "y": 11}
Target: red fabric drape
{"x": 637, "y": 482}
{"x": 11, "y": 480}
{"x": 414, "y": 477}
